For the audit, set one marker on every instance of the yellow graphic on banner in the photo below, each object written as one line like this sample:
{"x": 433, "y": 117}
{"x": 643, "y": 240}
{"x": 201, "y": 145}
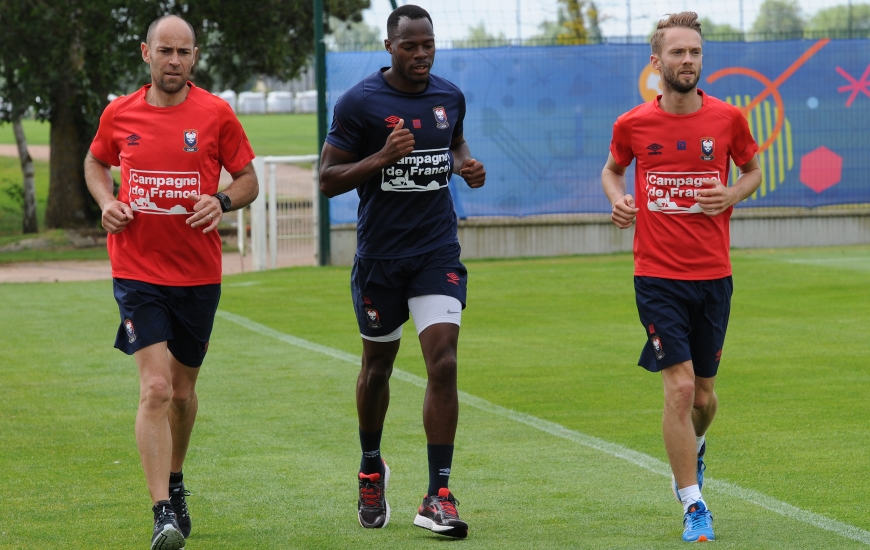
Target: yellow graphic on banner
{"x": 778, "y": 158}
{"x": 650, "y": 83}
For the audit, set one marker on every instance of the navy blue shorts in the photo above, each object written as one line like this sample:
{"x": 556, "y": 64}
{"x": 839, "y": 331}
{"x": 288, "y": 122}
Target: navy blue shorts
{"x": 381, "y": 288}
{"x": 181, "y": 316}
{"x": 684, "y": 320}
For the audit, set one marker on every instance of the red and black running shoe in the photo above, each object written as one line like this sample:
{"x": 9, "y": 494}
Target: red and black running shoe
{"x": 438, "y": 514}
{"x": 373, "y": 510}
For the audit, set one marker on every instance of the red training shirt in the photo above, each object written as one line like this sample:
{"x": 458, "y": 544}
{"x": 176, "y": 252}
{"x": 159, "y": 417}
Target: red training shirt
{"x": 673, "y": 239}
{"x": 166, "y": 154}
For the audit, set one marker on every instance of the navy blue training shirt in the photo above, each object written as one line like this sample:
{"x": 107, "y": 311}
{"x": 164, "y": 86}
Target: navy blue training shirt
{"x": 406, "y": 208}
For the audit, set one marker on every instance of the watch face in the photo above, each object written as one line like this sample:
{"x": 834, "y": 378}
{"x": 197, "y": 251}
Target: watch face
{"x": 226, "y": 204}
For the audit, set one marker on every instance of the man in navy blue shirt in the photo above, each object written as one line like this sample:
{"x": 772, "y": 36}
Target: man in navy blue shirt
{"x": 396, "y": 138}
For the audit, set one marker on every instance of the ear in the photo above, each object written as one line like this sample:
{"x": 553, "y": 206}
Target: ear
{"x": 388, "y": 45}
{"x": 144, "y": 48}
{"x": 655, "y": 62}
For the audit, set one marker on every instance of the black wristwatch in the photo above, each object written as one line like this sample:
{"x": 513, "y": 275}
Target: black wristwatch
{"x": 226, "y": 203}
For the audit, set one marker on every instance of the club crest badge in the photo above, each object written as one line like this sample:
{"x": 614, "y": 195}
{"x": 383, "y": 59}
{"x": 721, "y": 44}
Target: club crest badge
{"x": 191, "y": 141}
{"x": 657, "y": 346}
{"x": 131, "y": 332}
{"x": 441, "y": 121}
{"x": 707, "y": 146}
{"x": 373, "y": 318}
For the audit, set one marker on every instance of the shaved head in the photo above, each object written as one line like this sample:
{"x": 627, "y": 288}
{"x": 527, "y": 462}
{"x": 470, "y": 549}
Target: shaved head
{"x": 152, "y": 28}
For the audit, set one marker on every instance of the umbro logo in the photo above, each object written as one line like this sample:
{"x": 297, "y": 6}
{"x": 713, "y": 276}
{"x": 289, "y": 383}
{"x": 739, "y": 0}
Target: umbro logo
{"x": 655, "y": 149}
{"x": 132, "y": 139}
{"x": 392, "y": 120}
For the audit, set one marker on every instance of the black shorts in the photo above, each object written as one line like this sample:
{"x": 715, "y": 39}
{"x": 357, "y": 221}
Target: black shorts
{"x": 181, "y": 316}
{"x": 684, "y": 320}
{"x": 381, "y": 288}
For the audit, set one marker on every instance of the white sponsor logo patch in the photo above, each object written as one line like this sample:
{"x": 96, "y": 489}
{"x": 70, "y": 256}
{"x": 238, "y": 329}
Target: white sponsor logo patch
{"x": 426, "y": 170}
{"x": 674, "y": 192}
{"x": 158, "y": 192}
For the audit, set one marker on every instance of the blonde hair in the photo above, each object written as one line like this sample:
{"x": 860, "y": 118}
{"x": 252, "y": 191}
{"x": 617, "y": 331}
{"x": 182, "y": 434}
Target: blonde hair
{"x": 684, "y": 19}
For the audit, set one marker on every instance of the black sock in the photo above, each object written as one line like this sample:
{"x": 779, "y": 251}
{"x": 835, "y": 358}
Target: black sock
{"x": 176, "y": 477}
{"x": 440, "y": 460}
{"x": 371, "y": 461}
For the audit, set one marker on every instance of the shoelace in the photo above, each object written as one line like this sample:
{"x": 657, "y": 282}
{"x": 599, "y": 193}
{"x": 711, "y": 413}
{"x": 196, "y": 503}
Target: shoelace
{"x": 163, "y": 515}
{"x": 699, "y": 519}
{"x": 175, "y": 498}
{"x": 371, "y": 495}
{"x": 449, "y": 507}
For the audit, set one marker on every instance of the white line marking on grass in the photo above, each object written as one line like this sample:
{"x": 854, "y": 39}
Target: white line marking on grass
{"x": 638, "y": 459}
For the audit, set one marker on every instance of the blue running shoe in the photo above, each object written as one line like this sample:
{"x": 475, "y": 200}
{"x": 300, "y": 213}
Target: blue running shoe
{"x": 701, "y": 468}
{"x": 698, "y": 524}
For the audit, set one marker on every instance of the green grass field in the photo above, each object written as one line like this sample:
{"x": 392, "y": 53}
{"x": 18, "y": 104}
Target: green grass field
{"x": 559, "y": 441}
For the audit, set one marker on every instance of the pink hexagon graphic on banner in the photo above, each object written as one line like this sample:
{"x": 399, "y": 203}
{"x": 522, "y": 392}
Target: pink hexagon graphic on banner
{"x": 821, "y": 168}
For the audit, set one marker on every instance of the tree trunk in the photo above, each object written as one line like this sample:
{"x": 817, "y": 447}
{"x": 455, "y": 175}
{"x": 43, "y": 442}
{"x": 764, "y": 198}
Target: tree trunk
{"x": 30, "y": 225}
{"x": 69, "y": 203}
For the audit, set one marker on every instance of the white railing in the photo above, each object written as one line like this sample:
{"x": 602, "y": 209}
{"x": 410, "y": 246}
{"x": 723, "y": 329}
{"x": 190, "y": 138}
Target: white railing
{"x": 294, "y": 220}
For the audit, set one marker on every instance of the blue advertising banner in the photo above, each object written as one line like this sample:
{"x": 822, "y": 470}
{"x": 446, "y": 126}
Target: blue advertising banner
{"x": 540, "y": 118}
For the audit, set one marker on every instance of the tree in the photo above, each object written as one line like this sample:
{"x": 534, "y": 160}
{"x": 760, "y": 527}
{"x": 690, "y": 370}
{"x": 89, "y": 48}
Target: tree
{"x": 577, "y": 22}
{"x": 14, "y": 106}
{"x": 778, "y": 19}
{"x": 64, "y": 58}
{"x": 353, "y": 36}
{"x": 30, "y": 224}
{"x": 718, "y": 31}
{"x": 478, "y": 37}
{"x": 849, "y": 21}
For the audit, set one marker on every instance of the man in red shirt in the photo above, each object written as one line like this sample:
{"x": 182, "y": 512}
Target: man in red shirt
{"x": 683, "y": 143}
{"x": 170, "y": 139}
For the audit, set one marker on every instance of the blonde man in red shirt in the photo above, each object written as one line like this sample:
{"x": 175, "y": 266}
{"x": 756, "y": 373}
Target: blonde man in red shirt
{"x": 683, "y": 143}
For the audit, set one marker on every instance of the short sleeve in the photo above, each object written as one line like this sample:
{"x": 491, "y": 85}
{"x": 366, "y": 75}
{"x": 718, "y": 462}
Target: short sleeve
{"x": 620, "y": 144}
{"x": 458, "y": 127}
{"x": 743, "y": 146}
{"x": 346, "y": 131}
{"x": 234, "y": 149}
{"x": 104, "y": 147}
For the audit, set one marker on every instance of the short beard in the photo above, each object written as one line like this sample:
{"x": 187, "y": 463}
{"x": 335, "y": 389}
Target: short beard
{"x": 170, "y": 88}
{"x": 673, "y": 82}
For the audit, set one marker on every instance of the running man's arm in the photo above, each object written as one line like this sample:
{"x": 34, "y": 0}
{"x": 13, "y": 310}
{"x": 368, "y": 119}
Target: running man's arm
{"x": 340, "y": 171}
{"x": 98, "y": 177}
{"x": 242, "y": 192}
{"x": 613, "y": 181}
{"x": 718, "y": 197}
{"x": 468, "y": 168}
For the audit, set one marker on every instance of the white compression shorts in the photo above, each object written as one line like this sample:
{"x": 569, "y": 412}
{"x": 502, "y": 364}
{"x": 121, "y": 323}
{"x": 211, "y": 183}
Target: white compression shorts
{"x": 427, "y": 310}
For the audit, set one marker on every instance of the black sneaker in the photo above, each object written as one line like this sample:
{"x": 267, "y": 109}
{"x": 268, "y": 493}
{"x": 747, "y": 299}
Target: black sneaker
{"x": 373, "y": 510}
{"x": 167, "y": 535}
{"x": 177, "y": 492}
{"x": 438, "y": 514}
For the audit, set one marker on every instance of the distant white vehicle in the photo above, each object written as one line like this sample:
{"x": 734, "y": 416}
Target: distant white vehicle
{"x": 280, "y": 102}
{"x": 251, "y": 103}
{"x": 229, "y": 96}
{"x": 306, "y": 102}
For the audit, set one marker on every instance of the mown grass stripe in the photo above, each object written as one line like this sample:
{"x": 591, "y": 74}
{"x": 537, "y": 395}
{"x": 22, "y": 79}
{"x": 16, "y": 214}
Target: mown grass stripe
{"x": 618, "y": 451}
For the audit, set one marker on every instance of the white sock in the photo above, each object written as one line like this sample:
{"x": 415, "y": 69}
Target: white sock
{"x": 699, "y": 442}
{"x": 690, "y": 495}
